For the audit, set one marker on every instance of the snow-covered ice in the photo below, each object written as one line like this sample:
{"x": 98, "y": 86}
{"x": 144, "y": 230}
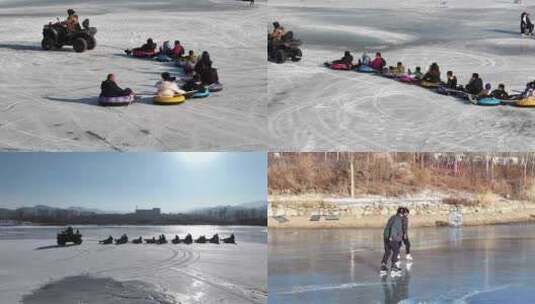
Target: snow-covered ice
{"x": 313, "y": 108}
{"x": 476, "y": 265}
{"x": 31, "y": 266}
{"x": 48, "y": 100}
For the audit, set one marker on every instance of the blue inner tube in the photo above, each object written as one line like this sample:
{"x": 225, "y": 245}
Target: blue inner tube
{"x": 215, "y": 87}
{"x": 201, "y": 94}
{"x": 489, "y": 101}
{"x": 116, "y": 101}
{"x": 365, "y": 69}
{"x": 163, "y": 58}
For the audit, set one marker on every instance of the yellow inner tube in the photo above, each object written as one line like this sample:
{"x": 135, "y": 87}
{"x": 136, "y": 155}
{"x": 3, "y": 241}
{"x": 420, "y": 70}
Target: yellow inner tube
{"x": 526, "y": 102}
{"x": 429, "y": 84}
{"x": 163, "y": 100}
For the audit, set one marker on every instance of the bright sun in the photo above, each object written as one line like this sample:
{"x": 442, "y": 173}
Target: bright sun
{"x": 198, "y": 157}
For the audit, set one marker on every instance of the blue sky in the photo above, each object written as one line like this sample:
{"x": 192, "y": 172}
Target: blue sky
{"x": 121, "y": 181}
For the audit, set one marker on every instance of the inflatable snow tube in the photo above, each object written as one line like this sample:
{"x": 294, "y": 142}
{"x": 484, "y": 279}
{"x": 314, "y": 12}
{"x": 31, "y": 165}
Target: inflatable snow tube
{"x": 365, "y": 69}
{"x": 116, "y": 101}
{"x": 201, "y": 94}
{"x": 429, "y": 84}
{"x": 526, "y": 102}
{"x": 339, "y": 67}
{"x": 143, "y": 54}
{"x": 172, "y": 100}
{"x": 489, "y": 101}
{"x": 407, "y": 79}
{"x": 163, "y": 58}
{"x": 215, "y": 87}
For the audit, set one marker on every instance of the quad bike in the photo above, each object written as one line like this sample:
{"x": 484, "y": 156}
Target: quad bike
{"x": 286, "y": 48}
{"x": 69, "y": 236}
{"x": 56, "y": 35}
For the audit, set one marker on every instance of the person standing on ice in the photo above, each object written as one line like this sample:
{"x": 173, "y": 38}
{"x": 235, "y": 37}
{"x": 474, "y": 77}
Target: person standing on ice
{"x": 526, "y": 27}
{"x": 392, "y": 238}
{"x": 405, "y": 228}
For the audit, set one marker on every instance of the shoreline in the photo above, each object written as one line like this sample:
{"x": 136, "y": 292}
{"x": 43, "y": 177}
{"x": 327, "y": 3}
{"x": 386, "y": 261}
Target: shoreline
{"x": 298, "y": 213}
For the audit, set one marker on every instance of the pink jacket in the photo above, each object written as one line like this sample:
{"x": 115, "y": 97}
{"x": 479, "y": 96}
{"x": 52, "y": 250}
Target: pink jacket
{"x": 377, "y": 64}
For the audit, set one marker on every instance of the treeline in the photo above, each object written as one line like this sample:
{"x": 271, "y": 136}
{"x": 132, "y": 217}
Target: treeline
{"x": 236, "y": 216}
{"x": 347, "y": 174}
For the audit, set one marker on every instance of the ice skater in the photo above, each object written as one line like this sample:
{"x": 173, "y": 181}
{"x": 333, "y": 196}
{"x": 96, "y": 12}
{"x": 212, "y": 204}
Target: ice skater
{"x": 406, "y": 241}
{"x": 526, "y": 27}
{"x": 392, "y": 238}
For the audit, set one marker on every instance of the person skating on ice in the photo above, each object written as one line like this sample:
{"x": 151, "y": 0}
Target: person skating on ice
{"x": 405, "y": 228}
{"x": 392, "y": 238}
{"x": 526, "y": 27}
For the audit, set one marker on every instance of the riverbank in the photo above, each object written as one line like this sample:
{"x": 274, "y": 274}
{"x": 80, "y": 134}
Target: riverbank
{"x": 317, "y": 211}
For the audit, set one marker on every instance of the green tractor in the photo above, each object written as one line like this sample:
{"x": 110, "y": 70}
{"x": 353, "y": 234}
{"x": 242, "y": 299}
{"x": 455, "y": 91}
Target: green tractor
{"x": 69, "y": 236}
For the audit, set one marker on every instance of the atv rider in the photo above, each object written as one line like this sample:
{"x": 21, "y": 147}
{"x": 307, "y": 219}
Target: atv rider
{"x": 451, "y": 81}
{"x": 378, "y": 63}
{"x": 392, "y": 237}
{"x": 278, "y": 31}
{"x": 433, "y": 73}
{"x": 526, "y": 27}
{"x": 475, "y": 85}
{"x": 72, "y": 23}
{"x": 109, "y": 88}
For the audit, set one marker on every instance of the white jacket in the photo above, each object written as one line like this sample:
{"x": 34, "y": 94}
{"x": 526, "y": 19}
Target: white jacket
{"x": 168, "y": 89}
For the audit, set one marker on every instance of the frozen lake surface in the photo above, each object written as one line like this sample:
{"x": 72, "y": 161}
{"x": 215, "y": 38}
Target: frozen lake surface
{"x": 313, "y": 108}
{"x": 49, "y": 98}
{"x": 473, "y": 265}
{"x": 35, "y": 271}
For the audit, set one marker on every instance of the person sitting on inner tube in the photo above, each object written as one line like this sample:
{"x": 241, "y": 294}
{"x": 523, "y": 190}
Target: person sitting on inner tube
{"x": 526, "y": 27}
{"x": 398, "y": 70}
{"x": 417, "y": 74}
{"x": 475, "y": 85}
{"x": 109, "y": 88}
{"x": 205, "y": 70}
{"x": 194, "y": 84}
{"x": 378, "y": 63}
{"x": 149, "y": 46}
{"x": 364, "y": 60}
{"x": 530, "y": 89}
{"x": 347, "y": 60}
{"x": 167, "y": 87}
{"x": 177, "y": 51}
{"x": 486, "y": 91}
{"x": 500, "y": 92}
{"x": 451, "y": 81}
{"x": 433, "y": 74}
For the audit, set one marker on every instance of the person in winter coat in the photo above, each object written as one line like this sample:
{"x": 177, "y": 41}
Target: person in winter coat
{"x": 417, "y": 74}
{"x": 364, "y": 60}
{"x": 451, "y": 81}
{"x": 149, "y": 46}
{"x": 433, "y": 73}
{"x": 109, "y": 88}
{"x": 526, "y": 27}
{"x": 378, "y": 63}
{"x": 194, "y": 84}
{"x": 278, "y": 31}
{"x": 167, "y": 87}
{"x": 392, "y": 238}
{"x": 530, "y": 90}
{"x": 398, "y": 70}
{"x": 475, "y": 85}
{"x": 405, "y": 228}
{"x": 486, "y": 90}
{"x": 500, "y": 92}
{"x": 177, "y": 51}
{"x": 204, "y": 69}
{"x": 72, "y": 23}
{"x": 347, "y": 60}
